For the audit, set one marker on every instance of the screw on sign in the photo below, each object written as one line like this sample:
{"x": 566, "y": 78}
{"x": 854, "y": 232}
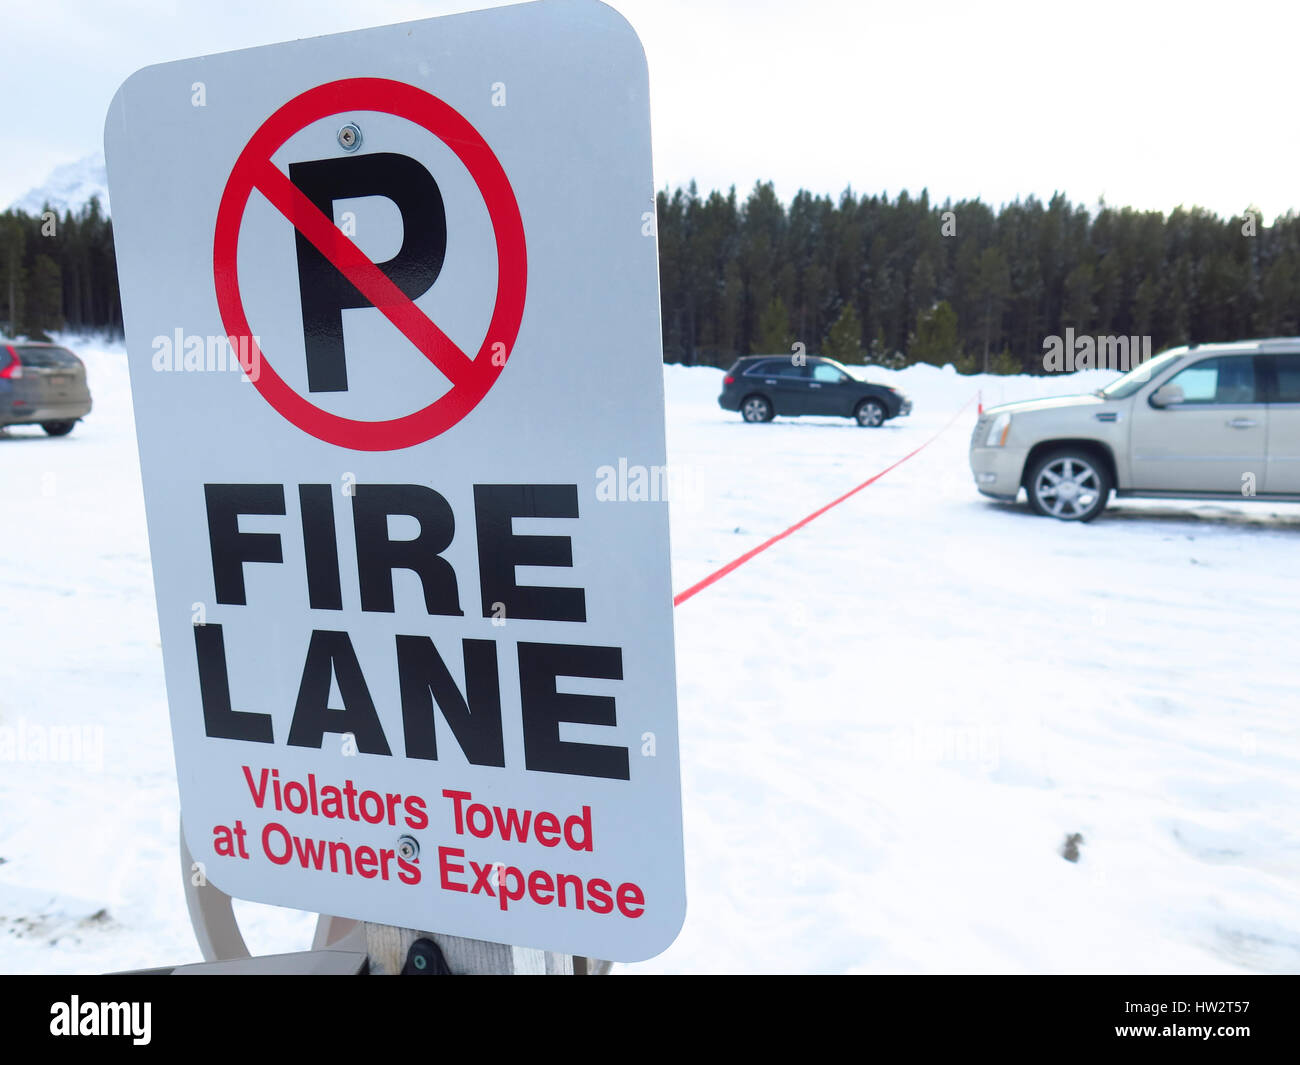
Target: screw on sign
{"x": 334, "y": 274}
{"x": 425, "y": 959}
{"x": 350, "y": 137}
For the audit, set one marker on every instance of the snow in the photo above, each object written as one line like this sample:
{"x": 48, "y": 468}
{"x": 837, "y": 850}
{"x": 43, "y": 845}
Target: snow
{"x": 890, "y": 720}
{"x": 69, "y": 188}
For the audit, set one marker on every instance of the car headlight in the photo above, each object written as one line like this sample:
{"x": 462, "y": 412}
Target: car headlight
{"x": 997, "y": 436}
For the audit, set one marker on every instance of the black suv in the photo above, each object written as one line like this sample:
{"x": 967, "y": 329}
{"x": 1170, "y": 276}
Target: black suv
{"x": 763, "y": 386}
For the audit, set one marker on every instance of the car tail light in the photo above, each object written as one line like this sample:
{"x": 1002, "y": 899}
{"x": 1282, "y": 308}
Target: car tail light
{"x": 728, "y": 380}
{"x": 14, "y": 369}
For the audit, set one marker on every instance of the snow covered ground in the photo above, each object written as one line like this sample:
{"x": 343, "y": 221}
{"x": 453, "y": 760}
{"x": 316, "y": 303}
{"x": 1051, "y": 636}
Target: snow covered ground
{"x": 890, "y": 721}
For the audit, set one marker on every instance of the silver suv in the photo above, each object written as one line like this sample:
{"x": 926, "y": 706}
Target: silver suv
{"x": 42, "y": 384}
{"x": 1209, "y": 421}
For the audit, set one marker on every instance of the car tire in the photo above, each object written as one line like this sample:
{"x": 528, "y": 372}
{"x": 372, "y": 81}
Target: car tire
{"x": 870, "y": 413}
{"x": 1069, "y": 484}
{"x": 756, "y": 409}
{"x": 57, "y": 428}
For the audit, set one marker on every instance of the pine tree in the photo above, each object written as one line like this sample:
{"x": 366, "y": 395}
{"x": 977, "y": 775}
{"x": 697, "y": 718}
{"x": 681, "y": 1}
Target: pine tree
{"x": 935, "y": 340}
{"x": 774, "y": 328}
{"x": 1005, "y": 363}
{"x": 12, "y": 274}
{"x": 844, "y": 342}
{"x": 45, "y": 298}
{"x": 993, "y": 285}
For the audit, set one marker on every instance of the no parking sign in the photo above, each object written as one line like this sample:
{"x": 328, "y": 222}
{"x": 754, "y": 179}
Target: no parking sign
{"x": 391, "y": 303}
{"x": 326, "y": 256}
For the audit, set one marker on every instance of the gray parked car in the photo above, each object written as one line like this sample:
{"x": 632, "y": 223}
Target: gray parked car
{"x": 763, "y": 386}
{"x": 1210, "y": 421}
{"x": 42, "y": 384}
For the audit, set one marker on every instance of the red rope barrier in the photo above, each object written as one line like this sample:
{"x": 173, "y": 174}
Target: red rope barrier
{"x": 717, "y": 575}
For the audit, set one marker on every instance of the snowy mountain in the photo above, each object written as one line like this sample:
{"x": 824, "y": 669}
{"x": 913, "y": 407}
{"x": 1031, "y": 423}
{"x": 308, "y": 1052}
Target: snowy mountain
{"x": 69, "y": 187}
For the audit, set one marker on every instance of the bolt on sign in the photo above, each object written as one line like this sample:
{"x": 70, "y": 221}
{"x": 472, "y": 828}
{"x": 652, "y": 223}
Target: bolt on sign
{"x": 391, "y": 303}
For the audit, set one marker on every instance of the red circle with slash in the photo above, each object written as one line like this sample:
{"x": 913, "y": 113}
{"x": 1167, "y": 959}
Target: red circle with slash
{"x": 471, "y": 378}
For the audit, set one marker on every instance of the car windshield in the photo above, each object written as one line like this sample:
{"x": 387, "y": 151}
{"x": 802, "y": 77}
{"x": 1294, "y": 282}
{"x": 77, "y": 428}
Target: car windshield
{"x": 1125, "y": 386}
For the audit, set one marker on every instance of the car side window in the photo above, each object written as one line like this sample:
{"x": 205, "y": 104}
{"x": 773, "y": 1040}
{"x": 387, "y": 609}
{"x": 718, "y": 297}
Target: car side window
{"x": 1286, "y": 369}
{"x": 777, "y": 368}
{"x": 1230, "y": 379}
{"x": 822, "y": 372}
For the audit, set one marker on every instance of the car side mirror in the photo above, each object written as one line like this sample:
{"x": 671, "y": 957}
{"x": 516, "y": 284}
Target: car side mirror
{"x": 1167, "y": 396}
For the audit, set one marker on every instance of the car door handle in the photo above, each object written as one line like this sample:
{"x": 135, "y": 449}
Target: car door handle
{"x": 1242, "y": 423}
{"x": 769, "y": 381}
{"x": 814, "y": 384}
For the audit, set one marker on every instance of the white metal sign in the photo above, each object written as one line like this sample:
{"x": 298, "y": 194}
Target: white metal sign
{"x": 391, "y": 305}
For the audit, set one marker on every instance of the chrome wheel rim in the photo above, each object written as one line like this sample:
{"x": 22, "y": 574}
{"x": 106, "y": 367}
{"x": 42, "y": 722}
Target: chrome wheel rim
{"x": 870, "y": 414}
{"x": 755, "y": 410}
{"x": 1068, "y": 488}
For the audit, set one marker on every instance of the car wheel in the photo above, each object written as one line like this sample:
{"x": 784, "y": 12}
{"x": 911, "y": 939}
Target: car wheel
{"x": 870, "y": 413}
{"x": 58, "y": 428}
{"x": 1070, "y": 485}
{"x": 756, "y": 409}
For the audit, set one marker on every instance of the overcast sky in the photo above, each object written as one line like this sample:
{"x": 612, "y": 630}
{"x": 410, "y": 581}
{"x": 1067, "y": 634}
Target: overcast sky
{"x": 1151, "y": 105}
